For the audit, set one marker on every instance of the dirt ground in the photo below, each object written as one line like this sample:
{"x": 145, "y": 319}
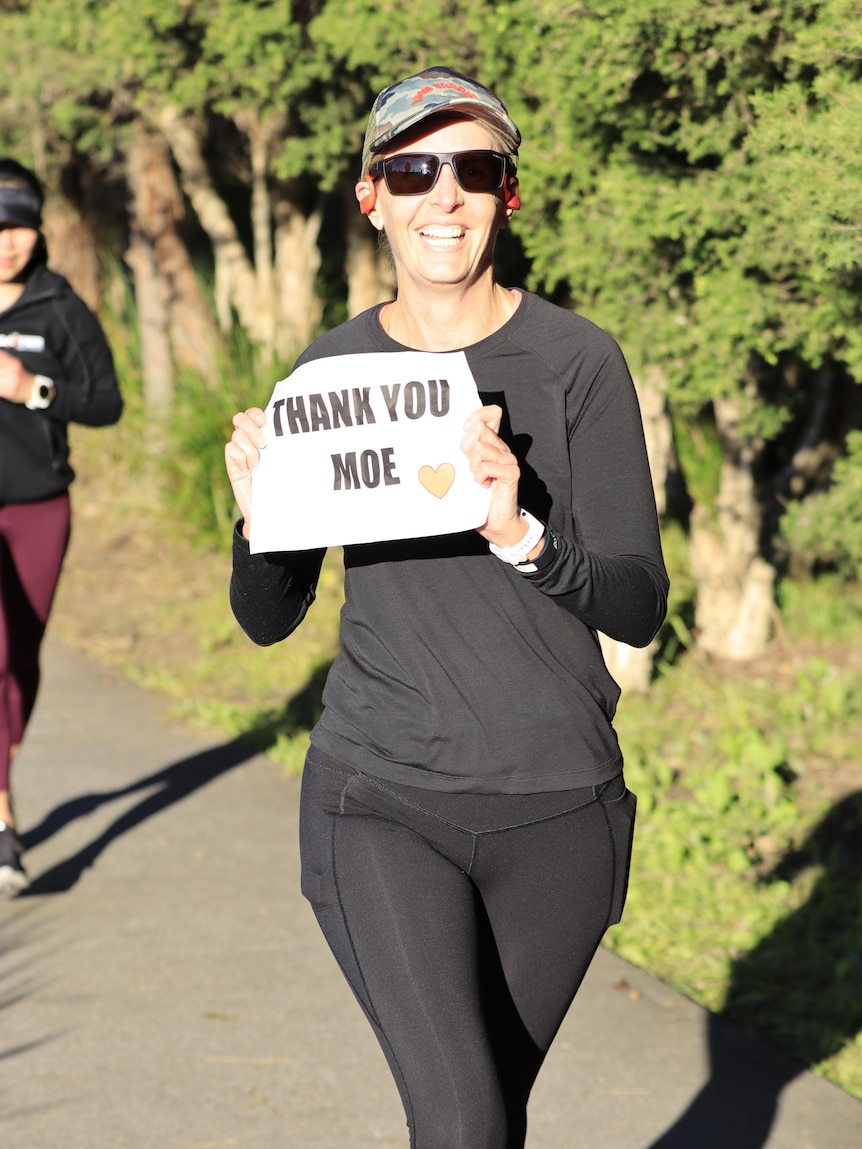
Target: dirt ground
{"x": 126, "y": 579}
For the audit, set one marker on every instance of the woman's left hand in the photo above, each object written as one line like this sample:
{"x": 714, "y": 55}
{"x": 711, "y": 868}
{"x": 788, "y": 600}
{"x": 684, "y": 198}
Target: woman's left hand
{"x": 494, "y": 465}
{"x": 16, "y": 382}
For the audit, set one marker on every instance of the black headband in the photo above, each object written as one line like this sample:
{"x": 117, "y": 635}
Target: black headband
{"x": 20, "y": 206}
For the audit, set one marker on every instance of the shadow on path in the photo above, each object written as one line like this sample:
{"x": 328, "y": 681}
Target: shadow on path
{"x": 801, "y": 987}
{"x": 171, "y": 785}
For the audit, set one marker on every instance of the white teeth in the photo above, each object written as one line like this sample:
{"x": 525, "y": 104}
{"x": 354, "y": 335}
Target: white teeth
{"x": 442, "y": 232}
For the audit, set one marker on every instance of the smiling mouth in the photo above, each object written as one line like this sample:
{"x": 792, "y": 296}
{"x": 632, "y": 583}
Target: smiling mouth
{"x": 448, "y": 236}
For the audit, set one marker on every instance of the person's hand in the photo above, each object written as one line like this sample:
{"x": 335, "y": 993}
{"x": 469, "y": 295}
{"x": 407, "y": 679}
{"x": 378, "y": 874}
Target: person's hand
{"x": 494, "y": 465}
{"x": 242, "y": 455}
{"x": 16, "y": 382}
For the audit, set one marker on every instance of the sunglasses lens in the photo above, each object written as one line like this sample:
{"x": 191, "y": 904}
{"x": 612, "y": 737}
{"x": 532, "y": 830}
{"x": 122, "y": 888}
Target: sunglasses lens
{"x": 415, "y": 173}
{"x": 411, "y": 174}
{"x": 479, "y": 171}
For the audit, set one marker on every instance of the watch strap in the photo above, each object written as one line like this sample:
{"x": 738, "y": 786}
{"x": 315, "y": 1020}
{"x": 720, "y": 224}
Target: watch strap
{"x": 544, "y": 558}
{"x": 517, "y": 554}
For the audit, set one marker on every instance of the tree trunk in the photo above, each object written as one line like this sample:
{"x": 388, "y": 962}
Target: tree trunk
{"x": 157, "y": 366}
{"x": 232, "y": 262}
{"x": 72, "y": 250}
{"x": 157, "y": 209}
{"x": 631, "y": 667}
{"x": 261, "y": 221}
{"x": 150, "y": 290}
{"x": 735, "y": 608}
{"x": 221, "y": 291}
{"x": 297, "y": 262}
{"x": 369, "y": 275}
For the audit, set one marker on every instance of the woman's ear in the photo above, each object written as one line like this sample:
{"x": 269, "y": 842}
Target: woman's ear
{"x": 366, "y": 194}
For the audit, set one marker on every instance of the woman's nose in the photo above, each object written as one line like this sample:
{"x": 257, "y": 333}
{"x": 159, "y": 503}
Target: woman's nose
{"x": 447, "y": 190}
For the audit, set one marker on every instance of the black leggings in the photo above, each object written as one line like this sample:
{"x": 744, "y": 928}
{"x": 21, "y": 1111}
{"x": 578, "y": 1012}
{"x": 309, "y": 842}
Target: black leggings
{"x": 464, "y": 924}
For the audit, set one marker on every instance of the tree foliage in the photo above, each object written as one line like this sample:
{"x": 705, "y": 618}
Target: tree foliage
{"x": 691, "y": 173}
{"x": 656, "y": 197}
{"x": 825, "y": 530}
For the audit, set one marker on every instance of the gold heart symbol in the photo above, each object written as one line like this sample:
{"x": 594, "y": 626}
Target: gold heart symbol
{"x": 437, "y": 482}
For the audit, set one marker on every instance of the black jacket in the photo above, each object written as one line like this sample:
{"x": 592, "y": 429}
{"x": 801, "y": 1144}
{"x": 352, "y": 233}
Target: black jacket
{"x": 53, "y": 332}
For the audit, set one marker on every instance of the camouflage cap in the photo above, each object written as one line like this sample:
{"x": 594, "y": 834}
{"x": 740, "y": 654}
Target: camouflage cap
{"x": 406, "y": 103}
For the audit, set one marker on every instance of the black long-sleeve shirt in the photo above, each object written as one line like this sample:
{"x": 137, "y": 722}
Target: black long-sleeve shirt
{"x": 456, "y": 671}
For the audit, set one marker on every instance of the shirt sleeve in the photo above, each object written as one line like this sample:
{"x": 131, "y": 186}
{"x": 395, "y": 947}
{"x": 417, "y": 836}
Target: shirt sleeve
{"x": 609, "y": 570}
{"x": 87, "y": 389}
{"x": 270, "y": 593}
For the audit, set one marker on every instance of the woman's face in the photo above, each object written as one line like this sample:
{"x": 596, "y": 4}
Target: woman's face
{"x": 446, "y": 236}
{"x": 16, "y": 248}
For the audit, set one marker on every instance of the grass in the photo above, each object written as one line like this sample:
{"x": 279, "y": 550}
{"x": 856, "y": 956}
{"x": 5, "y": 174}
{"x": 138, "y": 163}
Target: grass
{"x": 745, "y": 891}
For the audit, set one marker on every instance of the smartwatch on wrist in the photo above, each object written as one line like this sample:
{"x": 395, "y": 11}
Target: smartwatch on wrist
{"x": 42, "y": 395}
{"x": 546, "y": 556}
{"x": 518, "y": 553}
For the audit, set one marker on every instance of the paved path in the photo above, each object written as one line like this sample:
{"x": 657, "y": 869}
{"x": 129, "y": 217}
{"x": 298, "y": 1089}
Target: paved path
{"x": 164, "y": 986}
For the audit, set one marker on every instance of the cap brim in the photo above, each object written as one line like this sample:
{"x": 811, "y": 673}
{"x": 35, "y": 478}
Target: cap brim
{"x": 21, "y": 218}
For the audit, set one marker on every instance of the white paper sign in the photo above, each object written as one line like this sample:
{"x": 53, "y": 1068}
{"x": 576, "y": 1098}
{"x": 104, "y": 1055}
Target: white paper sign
{"x": 366, "y": 448}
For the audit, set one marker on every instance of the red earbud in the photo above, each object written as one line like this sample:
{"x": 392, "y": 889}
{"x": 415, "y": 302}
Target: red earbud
{"x": 368, "y": 201}
{"x": 510, "y": 193}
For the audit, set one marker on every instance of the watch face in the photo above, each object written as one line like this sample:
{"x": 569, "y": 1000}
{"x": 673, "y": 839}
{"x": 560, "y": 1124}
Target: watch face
{"x": 44, "y": 390}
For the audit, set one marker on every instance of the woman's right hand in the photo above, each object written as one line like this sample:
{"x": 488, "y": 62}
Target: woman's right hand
{"x": 242, "y": 455}
{"x": 16, "y": 382}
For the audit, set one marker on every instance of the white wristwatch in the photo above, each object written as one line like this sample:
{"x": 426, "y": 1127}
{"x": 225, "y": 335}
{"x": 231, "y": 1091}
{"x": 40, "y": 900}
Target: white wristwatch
{"x": 42, "y": 395}
{"x": 518, "y": 553}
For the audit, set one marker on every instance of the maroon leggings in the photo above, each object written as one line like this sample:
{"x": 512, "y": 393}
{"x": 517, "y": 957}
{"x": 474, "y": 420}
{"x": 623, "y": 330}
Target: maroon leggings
{"x": 33, "y": 541}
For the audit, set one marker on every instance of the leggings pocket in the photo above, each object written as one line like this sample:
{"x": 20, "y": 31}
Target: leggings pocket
{"x": 323, "y": 787}
{"x": 324, "y": 792}
{"x": 619, "y": 810}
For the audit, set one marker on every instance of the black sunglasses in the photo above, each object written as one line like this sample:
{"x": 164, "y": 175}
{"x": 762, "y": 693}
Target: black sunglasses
{"x": 414, "y": 173}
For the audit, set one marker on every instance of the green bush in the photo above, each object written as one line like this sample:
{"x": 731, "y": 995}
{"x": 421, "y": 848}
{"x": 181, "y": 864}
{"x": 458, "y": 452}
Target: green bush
{"x": 824, "y": 531}
{"x": 196, "y": 489}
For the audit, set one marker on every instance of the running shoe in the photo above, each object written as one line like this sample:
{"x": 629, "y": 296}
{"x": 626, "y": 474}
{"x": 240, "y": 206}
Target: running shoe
{"x": 13, "y": 876}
